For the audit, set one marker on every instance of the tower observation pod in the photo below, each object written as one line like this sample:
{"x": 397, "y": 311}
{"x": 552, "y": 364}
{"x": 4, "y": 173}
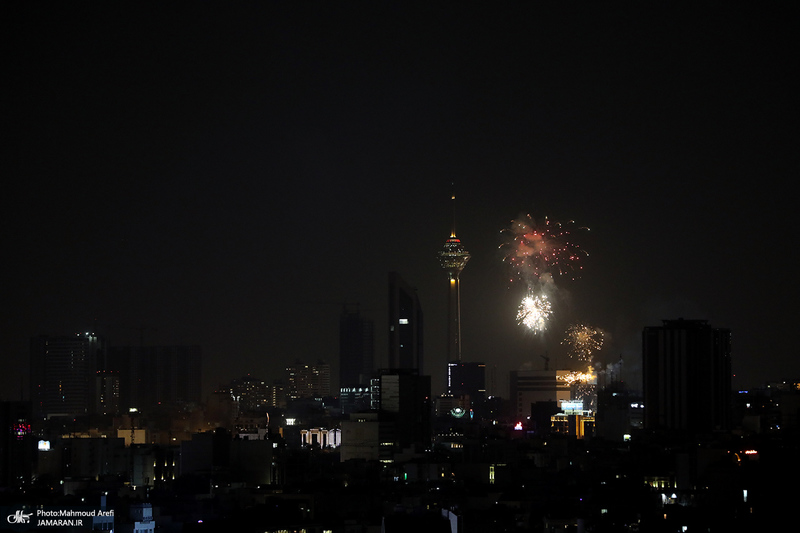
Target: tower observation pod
{"x": 453, "y": 257}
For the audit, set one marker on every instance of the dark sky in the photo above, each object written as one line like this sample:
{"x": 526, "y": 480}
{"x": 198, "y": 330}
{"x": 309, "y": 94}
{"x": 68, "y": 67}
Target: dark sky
{"x": 229, "y": 177}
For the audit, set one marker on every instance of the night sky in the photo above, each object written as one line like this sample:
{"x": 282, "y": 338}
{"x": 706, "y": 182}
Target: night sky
{"x": 230, "y": 177}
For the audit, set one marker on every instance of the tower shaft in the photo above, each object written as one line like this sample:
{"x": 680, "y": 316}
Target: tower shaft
{"x": 454, "y": 319}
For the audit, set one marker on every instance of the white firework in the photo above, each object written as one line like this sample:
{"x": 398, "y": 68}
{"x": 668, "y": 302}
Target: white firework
{"x": 534, "y": 312}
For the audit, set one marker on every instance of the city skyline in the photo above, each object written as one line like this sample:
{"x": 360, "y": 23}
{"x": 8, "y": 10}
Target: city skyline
{"x": 230, "y": 179}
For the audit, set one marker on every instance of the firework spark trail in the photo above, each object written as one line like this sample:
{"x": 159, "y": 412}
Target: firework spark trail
{"x": 583, "y": 341}
{"x": 574, "y": 378}
{"x": 582, "y": 386}
{"x": 534, "y": 250}
{"x": 534, "y": 312}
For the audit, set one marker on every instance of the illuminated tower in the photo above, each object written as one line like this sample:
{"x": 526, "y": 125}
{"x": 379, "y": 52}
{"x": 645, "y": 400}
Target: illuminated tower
{"x": 453, "y": 258}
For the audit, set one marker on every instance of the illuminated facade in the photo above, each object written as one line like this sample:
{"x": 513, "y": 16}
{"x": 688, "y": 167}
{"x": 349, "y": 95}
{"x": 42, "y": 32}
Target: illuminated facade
{"x": 358, "y": 398}
{"x": 308, "y": 381}
{"x": 324, "y": 438}
{"x": 449, "y": 405}
{"x": 256, "y": 395}
{"x": 575, "y": 425}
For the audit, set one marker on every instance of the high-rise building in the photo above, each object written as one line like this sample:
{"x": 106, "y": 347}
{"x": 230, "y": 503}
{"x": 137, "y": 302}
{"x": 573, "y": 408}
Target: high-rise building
{"x": 453, "y": 258}
{"x": 308, "y": 381}
{"x": 405, "y": 325}
{"x": 687, "y": 376}
{"x": 356, "y": 349}
{"x": 255, "y": 395}
{"x": 356, "y": 399}
{"x": 528, "y": 387}
{"x": 619, "y": 412}
{"x": 63, "y": 372}
{"x": 404, "y": 411}
{"x": 467, "y": 379}
{"x": 106, "y": 392}
{"x": 154, "y": 375}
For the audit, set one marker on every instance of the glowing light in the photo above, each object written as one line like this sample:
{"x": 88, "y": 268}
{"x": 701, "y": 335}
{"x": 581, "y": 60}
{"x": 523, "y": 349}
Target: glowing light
{"x": 518, "y": 426}
{"x": 534, "y": 249}
{"x": 582, "y": 386}
{"x": 20, "y": 429}
{"x": 533, "y": 313}
{"x": 453, "y": 257}
{"x": 574, "y": 378}
{"x": 583, "y": 341}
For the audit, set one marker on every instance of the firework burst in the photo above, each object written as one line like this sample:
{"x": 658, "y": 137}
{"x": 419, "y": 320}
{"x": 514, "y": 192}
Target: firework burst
{"x": 574, "y": 378}
{"x": 582, "y": 386}
{"x": 583, "y": 341}
{"x": 534, "y": 250}
{"x": 533, "y": 312}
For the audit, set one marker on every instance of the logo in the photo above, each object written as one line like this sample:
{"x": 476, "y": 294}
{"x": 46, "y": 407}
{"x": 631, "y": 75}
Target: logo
{"x": 19, "y": 518}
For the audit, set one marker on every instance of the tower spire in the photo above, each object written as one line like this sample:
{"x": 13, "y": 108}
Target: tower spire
{"x": 453, "y": 201}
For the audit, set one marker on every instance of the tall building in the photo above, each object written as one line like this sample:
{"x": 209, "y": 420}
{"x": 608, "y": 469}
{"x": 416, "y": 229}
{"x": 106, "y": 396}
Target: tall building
{"x": 453, "y": 257}
{"x": 687, "y": 376}
{"x": 528, "y": 387}
{"x": 356, "y": 349}
{"x": 106, "y": 392}
{"x": 405, "y": 325}
{"x": 254, "y": 394}
{"x": 467, "y": 379}
{"x": 154, "y": 375}
{"x": 63, "y": 372}
{"x": 308, "y": 381}
{"x": 404, "y": 411}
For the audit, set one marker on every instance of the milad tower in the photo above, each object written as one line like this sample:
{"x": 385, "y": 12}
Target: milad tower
{"x": 453, "y": 257}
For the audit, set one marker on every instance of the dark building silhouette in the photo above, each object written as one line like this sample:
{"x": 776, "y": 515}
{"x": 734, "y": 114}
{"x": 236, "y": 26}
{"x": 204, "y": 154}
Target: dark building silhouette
{"x": 106, "y": 392}
{"x": 528, "y": 387}
{"x": 404, "y": 412}
{"x": 153, "y": 375}
{"x": 16, "y": 444}
{"x": 405, "y": 325}
{"x": 356, "y": 349}
{"x": 687, "y": 377}
{"x": 619, "y": 412}
{"x": 467, "y": 379}
{"x": 256, "y": 395}
{"x": 63, "y": 370}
